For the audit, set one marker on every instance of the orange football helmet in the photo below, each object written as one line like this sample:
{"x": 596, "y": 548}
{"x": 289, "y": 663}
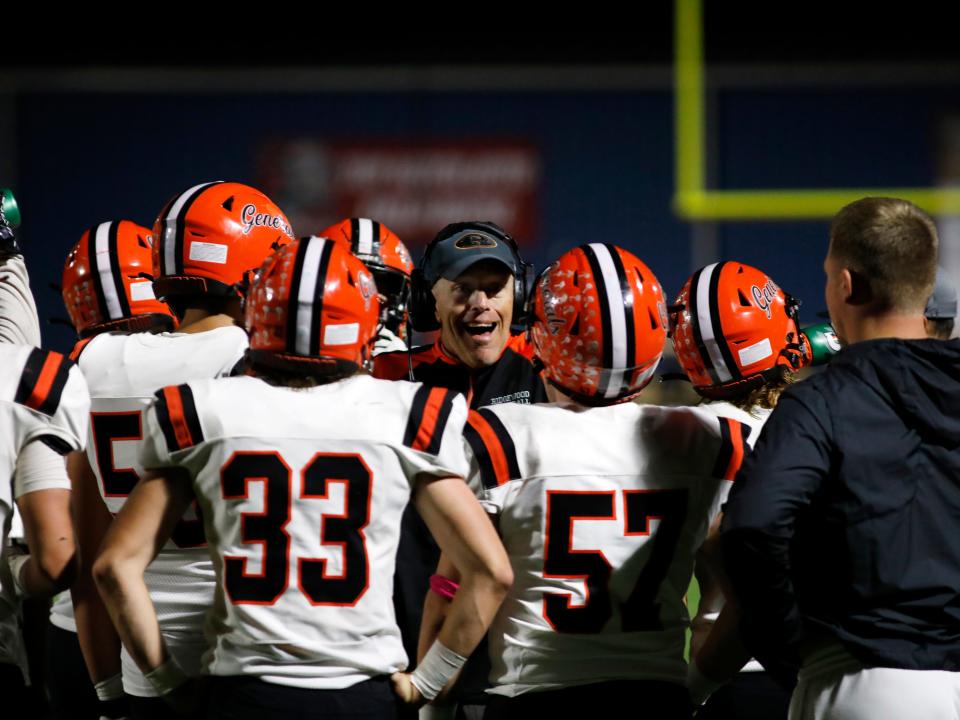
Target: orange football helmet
{"x": 313, "y": 303}
{"x": 107, "y": 281}
{"x": 732, "y": 326}
{"x": 209, "y": 236}
{"x": 387, "y": 258}
{"x": 599, "y": 323}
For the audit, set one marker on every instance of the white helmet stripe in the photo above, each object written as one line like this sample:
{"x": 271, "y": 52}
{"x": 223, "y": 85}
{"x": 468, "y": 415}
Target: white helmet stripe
{"x": 168, "y": 230}
{"x": 105, "y": 271}
{"x": 308, "y": 287}
{"x": 364, "y": 236}
{"x": 610, "y": 284}
{"x": 706, "y": 324}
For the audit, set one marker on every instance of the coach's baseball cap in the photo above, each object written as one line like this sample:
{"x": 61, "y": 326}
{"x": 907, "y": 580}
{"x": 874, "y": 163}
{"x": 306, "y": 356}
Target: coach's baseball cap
{"x": 460, "y": 245}
{"x": 943, "y": 302}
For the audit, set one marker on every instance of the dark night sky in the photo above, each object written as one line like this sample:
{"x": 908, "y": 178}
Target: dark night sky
{"x": 741, "y": 32}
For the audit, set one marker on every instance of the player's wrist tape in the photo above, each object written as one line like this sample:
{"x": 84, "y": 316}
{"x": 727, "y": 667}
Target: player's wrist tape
{"x": 436, "y": 669}
{"x": 699, "y": 685}
{"x": 110, "y": 689}
{"x": 16, "y": 562}
{"x": 444, "y": 587}
{"x": 166, "y": 678}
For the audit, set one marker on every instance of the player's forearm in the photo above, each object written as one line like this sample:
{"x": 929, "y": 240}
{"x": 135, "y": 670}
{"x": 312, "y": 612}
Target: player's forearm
{"x": 128, "y": 602}
{"x": 469, "y": 616}
{"x": 721, "y": 654}
{"x": 436, "y": 607}
{"x": 51, "y": 566}
{"x": 435, "y": 612}
{"x": 98, "y": 638}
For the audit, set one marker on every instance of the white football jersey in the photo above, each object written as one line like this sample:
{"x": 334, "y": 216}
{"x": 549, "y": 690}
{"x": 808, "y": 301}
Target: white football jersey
{"x": 124, "y": 372}
{"x": 755, "y": 420}
{"x": 302, "y": 492}
{"x": 42, "y": 395}
{"x": 601, "y": 511}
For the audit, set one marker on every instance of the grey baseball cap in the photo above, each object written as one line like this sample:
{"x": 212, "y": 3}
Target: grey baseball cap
{"x": 461, "y": 245}
{"x": 943, "y": 302}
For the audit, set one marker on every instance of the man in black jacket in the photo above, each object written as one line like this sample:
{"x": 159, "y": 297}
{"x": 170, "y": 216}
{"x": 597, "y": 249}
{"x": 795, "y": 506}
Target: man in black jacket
{"x": 840, "y": 536}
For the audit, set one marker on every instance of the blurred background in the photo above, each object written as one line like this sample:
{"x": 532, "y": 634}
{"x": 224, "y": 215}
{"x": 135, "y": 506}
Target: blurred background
{"x": 699, "y": 133}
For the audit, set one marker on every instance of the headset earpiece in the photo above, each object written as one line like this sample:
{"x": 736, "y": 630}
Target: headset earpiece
{"x": 423, "y": 306}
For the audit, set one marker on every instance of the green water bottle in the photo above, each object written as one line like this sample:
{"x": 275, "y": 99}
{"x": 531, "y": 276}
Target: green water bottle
{"x": 9, "y": 219}
{"x": 822, "y": 341}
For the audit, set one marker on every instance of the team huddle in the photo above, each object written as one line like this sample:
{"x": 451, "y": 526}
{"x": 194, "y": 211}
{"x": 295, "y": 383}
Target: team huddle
{"x": 272, "y": 507}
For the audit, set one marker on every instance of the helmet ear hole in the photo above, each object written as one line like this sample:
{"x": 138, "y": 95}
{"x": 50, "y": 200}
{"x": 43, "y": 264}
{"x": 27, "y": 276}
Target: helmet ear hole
{"x": 744, "y": 301}
{"x": 653, "y": 319}
{"x": 228, "y": 204}
{"x": 142, "y": 242}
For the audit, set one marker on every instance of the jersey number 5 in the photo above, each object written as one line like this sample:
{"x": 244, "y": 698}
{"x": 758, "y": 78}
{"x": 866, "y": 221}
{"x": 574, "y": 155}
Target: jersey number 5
{"x": 268, "y": 528}
{"x": 640, "y": 611}
{"x": 111, "y": 427}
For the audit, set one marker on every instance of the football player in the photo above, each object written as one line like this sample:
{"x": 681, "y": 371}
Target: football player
{"x": 302, "y": 507}
{"x": 736, "y": 335}
{"x": 600, "y": 502}
{"x": 106, "y": 287}
{"x": 43, "y": 415}
{"x": 385, "y": 255}
{"x": 205, "y": 241}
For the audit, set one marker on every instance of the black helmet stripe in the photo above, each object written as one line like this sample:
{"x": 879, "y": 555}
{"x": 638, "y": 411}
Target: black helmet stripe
{"x": 729, "y": 363}
{"x": 696, "y": 318}
{"x": 366, "y": 237}
{"x": 708, "y": 330}
{"x": 116, "y": 269}
{"x": 610, "y": 284}
{"x": 95, "y": 276}
{"x": 629, "y": 326}
{"x": 306, "y": 295}
{"x": 604, "y": 310}
{"x": 319, "y": 284}
{"x": 172, "y": 227}
{"x": 292, "y": 305}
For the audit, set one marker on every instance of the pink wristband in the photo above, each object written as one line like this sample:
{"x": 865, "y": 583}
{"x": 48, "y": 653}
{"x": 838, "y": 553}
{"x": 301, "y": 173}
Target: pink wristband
{"x": 444, "y": 587}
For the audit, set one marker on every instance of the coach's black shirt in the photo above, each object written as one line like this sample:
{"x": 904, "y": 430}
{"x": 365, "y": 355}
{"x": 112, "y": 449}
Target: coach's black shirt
{"x": 513, "y": 378}
{"x": 844, "y": 522}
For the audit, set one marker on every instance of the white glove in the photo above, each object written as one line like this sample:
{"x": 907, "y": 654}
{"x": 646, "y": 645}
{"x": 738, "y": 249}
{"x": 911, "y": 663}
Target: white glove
{"x": 388, "y": 342}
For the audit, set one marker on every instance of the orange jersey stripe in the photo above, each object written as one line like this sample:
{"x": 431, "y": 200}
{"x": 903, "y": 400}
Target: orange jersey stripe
{"x": 498, "y": 458}
{"x": 177, "y": 418}
{"x": 44, "y": 381}
{"x": 78, "y": 348}
{"x": 428, "y": 425}
{"x": 736, "y": 454}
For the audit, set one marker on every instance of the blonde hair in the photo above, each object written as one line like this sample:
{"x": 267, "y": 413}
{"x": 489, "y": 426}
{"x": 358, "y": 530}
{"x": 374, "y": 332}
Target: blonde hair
{"x": 767, "y": 395}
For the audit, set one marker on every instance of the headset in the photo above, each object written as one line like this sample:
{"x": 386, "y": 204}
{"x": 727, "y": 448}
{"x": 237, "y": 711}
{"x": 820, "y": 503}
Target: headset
{"x": 423, "y": 305}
